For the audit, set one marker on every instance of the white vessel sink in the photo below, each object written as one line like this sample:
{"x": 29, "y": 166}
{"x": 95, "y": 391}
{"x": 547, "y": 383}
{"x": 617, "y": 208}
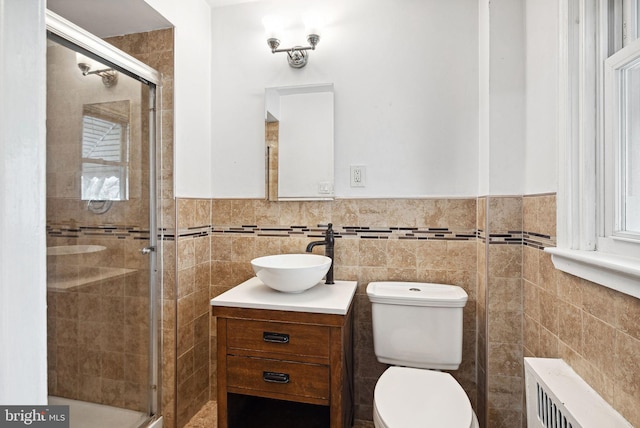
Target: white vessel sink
{"x": 291, "y": 273}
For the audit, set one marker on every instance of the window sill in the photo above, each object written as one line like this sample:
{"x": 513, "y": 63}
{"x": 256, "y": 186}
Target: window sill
{"x": 613, "y": 271}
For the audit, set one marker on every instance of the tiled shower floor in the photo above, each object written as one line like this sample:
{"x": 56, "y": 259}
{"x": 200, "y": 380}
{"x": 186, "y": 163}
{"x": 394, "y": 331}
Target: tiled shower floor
{"x": 83, "y": 414}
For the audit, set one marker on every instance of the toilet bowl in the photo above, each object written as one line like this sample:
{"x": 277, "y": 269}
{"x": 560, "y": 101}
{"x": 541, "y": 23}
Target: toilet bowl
{"x": 418, "y": 398}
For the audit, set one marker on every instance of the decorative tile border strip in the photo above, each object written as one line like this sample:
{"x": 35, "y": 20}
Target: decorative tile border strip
{"x": 538, "y": 240}
{"x": 519, "y": 237}
{"x": 530, "y": 239}
{"x": 362, "y": 232}
{"x": 508, "y": 238}
{"x": 103, "y": 231}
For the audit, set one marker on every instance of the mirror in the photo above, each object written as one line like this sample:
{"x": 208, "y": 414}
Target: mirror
{"x": 105, "y": 151}
{"x": 299, "y": 142}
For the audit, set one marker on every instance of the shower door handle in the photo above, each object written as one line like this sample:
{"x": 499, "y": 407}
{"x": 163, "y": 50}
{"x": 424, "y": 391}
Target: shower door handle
{"x": 147, "y": 250}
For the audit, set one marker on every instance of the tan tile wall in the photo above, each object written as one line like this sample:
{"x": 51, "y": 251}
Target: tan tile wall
{"x": 67, "y": 93}
{"x": 520, "y": 304}
{"x": 271, "y": 133}
{"x": 194, "y": 312}
{"x": 481, "y": 312}
{"x": 594, "y": 329}
{"x": 503, "y": 316}
{"x": 363, "y": 260}
{"x": 98, "y": 340}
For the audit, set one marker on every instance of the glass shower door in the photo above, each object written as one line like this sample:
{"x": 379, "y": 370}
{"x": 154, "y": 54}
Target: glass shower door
{"x": 102, "y": 288}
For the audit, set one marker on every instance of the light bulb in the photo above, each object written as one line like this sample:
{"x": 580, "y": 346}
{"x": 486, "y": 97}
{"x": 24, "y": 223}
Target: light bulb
{"x": 273, "y": 26}
{"x": 313, "y": 23}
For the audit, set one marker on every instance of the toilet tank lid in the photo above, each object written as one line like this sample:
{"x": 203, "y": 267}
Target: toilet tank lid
{"x": 416, "y": 294}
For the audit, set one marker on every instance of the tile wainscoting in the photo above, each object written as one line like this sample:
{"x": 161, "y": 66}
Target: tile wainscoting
{"x": 430, "y": 240}
{"x": 490, "y": 246}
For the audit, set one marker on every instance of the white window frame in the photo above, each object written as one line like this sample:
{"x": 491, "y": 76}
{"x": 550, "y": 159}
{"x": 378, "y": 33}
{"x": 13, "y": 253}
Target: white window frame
{"x": 613, "y": 238}
{"x": 586, "y": 247}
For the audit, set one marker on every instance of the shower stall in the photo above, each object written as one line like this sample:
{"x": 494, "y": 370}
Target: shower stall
{"x": 104, "y": 278}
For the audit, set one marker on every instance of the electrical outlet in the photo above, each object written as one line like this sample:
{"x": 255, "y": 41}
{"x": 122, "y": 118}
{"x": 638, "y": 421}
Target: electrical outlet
{"x": 358, "y": 175}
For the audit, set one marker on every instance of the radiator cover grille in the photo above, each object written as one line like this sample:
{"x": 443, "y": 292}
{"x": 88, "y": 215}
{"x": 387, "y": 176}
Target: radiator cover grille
{"x": 558, "y": 398}
{"x": 549, "y": 413}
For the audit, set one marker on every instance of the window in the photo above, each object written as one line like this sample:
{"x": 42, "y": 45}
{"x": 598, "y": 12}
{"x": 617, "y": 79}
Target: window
{"x": 105, "y": 151}
{"x": 599, "y": 180}
{"x": 621, "y": 151}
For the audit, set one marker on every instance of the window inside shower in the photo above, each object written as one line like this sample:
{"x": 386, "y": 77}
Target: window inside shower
{"x": 105, "y": 151}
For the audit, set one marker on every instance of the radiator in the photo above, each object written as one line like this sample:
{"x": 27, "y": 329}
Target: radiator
{"x": 558, "y": 398}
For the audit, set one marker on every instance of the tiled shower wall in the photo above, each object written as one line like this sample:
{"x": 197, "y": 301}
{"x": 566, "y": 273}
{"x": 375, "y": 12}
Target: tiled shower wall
{"x": 98, "y": 332}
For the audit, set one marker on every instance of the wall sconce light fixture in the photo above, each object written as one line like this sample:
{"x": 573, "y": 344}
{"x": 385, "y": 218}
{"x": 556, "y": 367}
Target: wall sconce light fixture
{"x": 297, "y": 55}
{"x": 85, "y": 64}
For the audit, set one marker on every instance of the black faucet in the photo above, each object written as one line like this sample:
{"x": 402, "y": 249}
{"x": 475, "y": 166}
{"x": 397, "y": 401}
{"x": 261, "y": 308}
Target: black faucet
{"x": 328, "y": 251}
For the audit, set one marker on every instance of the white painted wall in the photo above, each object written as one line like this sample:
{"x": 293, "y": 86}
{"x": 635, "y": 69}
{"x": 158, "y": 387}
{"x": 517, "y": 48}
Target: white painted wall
{"x": 192, "y": 94}
{"x": 484, "y": 71}
{"x": 507, "y": 82}
{"x": 518, "y": 58}
{"x": 406, "y": 94}
{"x": 541, "y": 94}
{"x": 502, "y": 59}
{"x": 23, "y": 330}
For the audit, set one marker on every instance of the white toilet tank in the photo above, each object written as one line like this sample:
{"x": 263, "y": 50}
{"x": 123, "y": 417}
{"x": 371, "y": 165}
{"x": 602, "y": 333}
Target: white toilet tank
{"x": 417, "y": 324}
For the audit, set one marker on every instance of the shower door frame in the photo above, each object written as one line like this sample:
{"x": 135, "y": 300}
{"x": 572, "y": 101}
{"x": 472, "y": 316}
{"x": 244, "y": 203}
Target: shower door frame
{"x": 74, "y": 37}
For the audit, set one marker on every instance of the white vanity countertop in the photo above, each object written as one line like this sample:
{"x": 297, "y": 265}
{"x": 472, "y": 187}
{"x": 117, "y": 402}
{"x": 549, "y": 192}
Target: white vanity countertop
{"x": 322, "y": 298}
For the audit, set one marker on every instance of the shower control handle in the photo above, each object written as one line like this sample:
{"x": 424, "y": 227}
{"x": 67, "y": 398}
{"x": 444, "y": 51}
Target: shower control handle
{"x": 147, "y": 250}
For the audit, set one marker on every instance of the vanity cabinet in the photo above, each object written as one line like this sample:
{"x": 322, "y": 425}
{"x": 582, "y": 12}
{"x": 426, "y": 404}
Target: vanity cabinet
{"x": 292, "y": 356}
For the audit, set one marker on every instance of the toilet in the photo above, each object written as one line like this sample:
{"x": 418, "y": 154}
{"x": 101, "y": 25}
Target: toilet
{"x": 417, "y": 329}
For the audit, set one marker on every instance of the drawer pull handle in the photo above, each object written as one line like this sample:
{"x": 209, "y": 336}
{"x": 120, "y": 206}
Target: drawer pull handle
{"x": 270, "y": 337}
{"x": 275, "y": 377}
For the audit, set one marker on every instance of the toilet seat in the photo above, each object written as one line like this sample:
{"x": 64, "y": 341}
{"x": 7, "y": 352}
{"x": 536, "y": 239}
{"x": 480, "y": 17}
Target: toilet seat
{"x": 409, "y": 397}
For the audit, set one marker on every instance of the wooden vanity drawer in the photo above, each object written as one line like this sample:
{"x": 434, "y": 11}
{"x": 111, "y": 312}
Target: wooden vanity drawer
{"x": 278, "y": 377}
{"x": 283, "y": 338}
